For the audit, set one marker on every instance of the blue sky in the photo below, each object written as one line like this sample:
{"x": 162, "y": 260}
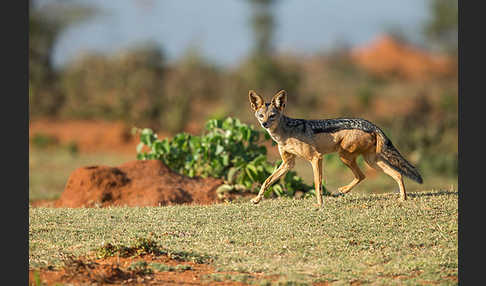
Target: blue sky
{"x": 220, "y": 30}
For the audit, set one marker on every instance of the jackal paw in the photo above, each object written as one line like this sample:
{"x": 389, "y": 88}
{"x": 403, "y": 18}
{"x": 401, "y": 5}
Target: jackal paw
{"x": 344, "y": 190}
{"x": 256, "y": 200}
{"x": 317, "y": 206}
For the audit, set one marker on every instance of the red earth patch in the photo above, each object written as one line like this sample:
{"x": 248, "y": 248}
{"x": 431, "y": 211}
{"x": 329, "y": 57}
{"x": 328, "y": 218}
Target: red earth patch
{"x": 121, "y": 271}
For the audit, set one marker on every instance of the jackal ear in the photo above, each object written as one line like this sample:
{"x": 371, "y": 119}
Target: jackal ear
{"x": 280, "y": 99}
{"x": 256, "y": 101}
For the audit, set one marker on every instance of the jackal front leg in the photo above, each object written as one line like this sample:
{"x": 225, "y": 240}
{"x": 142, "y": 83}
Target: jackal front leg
{"x": 287, "y": 164}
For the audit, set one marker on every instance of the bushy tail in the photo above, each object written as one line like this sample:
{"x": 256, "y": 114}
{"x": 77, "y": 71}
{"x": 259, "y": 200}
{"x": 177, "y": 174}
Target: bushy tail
{"x": 394, "y": 159}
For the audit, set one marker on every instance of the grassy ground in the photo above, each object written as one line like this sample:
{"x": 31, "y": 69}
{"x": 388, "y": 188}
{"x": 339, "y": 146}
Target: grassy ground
{"x": 49, "y": 169}
{"x": 372, "y": 239}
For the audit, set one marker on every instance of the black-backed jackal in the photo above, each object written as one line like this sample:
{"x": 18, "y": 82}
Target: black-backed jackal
{"x": 310, "y": 139}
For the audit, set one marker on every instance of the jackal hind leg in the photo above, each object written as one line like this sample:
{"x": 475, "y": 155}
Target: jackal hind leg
{"x": 380, "y": 165}
{"x": 350, "y": 161}
{"x": 287, "y": 164}
{"x": 317, "y": 170}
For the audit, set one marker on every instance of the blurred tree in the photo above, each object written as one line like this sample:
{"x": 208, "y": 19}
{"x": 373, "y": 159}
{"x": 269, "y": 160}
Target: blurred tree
{"x": 189, "y": 81}
{"x": 261, "y": 71}
{"x": 442, "y": 27}
{"x": 46, "y": 22}
{"x": 127, "y": 86}
{"x": 263, "y": 25}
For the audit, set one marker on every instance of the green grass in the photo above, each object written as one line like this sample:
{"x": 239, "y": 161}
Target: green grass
{"x": 49, "y": 169}
{"x": 374, "y": 239}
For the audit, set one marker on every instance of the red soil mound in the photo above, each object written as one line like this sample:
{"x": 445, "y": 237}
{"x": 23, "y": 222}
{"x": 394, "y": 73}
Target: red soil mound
{"x": 135, "y": 183}
{"x": 386, "y": 56}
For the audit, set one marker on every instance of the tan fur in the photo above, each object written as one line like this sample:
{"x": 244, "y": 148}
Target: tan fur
{"x": 293, "y": 141}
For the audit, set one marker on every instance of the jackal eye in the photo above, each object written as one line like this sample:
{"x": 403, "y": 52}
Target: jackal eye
{"x": 272, "y": 116}
{"x": 260, "y": 115}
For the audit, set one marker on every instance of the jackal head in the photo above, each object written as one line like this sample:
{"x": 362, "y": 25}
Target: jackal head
{"x": 268, "y": 114}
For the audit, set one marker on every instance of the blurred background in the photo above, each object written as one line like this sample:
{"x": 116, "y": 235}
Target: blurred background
{"x": 99, "y": 68}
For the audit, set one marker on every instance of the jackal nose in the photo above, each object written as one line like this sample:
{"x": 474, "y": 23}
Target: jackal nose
{"x": 265, "y": 124}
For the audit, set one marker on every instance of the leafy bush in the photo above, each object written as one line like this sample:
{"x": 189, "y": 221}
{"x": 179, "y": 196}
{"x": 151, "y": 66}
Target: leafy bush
{"x": 41, "y": 140}
{"x": 229, "y": 150}
{"x": 141, "y": 246}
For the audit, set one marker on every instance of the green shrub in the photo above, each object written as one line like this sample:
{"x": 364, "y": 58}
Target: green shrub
{"x": 140, "y": 246}
{"x": 229, "y": 150}
{"x": 41, "y": 140}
